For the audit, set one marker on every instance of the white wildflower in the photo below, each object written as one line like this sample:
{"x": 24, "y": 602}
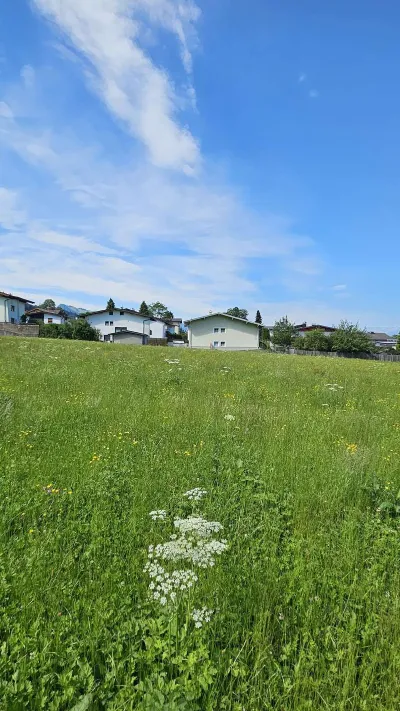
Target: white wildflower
{"x": 229, "y": 418}
{"x": 195, "y": 494}
{"x": 197, "y": 526}
{"x": 158, "y": 515}
{"x": 201, "y": 616}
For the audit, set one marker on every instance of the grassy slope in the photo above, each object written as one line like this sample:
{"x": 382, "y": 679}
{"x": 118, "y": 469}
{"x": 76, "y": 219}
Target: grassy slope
{"x": 308, "y": 593}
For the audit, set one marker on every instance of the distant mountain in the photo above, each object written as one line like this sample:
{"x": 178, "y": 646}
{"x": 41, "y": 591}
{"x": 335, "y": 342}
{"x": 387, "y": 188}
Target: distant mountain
{"x": 73, "y": 311}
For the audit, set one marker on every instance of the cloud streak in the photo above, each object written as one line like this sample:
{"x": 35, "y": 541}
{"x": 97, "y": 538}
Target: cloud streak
{"x": 106, "y": 33}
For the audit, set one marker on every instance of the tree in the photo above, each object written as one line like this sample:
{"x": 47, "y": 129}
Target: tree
{"x": 348, "y": 338}
{"x": 258, "y": 317}
{"x": 398, "y": 343}
{"x": 159, "y": 310}
{"x": 110, "y": 305}
{"x": 79, "y": 330}
{"x": 239, "y": 313}
{"x": 47, "y": 304}
{"x": 144, "y": 309}
{"x": 314, "y": 340}
{"x": 284, "y": 332}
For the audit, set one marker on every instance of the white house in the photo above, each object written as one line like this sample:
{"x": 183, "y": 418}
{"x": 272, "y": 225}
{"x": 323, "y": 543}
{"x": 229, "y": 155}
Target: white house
{"x": 120, "y": 320}
{"x": 47, "y": 315}
{"x": 12, "y": 307}
{"x": 219, "y": 330}
{"x": 303, "y": 329}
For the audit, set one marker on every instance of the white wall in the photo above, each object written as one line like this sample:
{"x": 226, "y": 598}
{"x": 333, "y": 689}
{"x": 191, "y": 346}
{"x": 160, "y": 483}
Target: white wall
{"x": 129, "y": 321}
{"x": 54, "y": 317}
{"x": 304, "y": 333}
{"x": 11, "y": 309}
{"x": 237, "y": 334}
{"x": 158, "y": 329}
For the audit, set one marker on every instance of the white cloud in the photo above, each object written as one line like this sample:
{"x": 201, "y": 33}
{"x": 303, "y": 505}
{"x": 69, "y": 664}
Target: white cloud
{"x": 5, "y": 111}
{"x": 11, "y": 217}
{"x": 339, "y": 287}
{"x": 302, "y": 78}
{"x": 135, "y": 90}
{"x": 28, "y": 76}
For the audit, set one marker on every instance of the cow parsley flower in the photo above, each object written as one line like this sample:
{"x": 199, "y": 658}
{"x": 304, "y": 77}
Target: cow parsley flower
{"x": 229, "y": 418}
{"x": 201, "y": 616}
{"x": 158, "y": 515}
{"x": 195, "y": 494}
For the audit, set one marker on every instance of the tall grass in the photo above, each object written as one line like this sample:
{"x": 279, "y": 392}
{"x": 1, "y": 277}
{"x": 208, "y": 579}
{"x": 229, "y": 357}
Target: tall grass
{"x": 304, "y": 477}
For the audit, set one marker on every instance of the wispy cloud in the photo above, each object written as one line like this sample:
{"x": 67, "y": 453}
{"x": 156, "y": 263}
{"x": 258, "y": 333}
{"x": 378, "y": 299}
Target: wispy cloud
{"x": 302, "y": 78}
{"x": 106, "y": 33}
{"x": 339, "y": 287}
{"x": 313, "y": 94}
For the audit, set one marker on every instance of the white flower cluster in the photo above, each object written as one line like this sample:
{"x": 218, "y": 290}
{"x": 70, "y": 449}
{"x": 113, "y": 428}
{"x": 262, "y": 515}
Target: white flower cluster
{"x": 197, "y": 526}
{"x": 333, "y": 386}
{"x": 225, "y": 369}
{"x": 201, "y": 616}
{"x": 194, "y": 546}
{"x": 175, "y": 361}
{"x": 200, "y": 553}
{"x": 165, "y": 586}
{"x": 195, "y": 494}
{"x": 158, "y": 515}
{"x": 229, "y": 418}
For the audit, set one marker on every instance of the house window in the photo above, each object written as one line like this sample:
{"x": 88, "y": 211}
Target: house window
{"x": 120, "y": 329}
{"x": 223, "y": 330}
{"x": 106, "y": 323}
{"x": 151, "y": 332}
{"x": 111, "y": 323}
{"x": 121, "y": 313}
{"x": 222, "y": 344}
{"x": 12, "y": 307}
{"x": 216, "y": 330}
{"x": 216, "y": 343}
{"x": 49, "y": 320}
{"x": 12, "y": 320}
{"x": 111, "y": 313}
{"x": 107, "y": 338}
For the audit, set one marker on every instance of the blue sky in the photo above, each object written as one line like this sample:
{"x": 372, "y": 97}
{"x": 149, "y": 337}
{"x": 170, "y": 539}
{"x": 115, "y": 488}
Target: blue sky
{"x": 205, "y": 154}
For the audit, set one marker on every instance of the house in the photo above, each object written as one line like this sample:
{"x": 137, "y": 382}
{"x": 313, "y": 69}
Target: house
{"x": 382, "y": 340}
{"x": 174, "y": 325}
{"x": 219, "y": 330}
{"x": 302, "y": 329}
{"x": 130, "y": 338}
{"x": 12, "y": 307}
{"x": 111, "y": 323}
{"x": 46, "y": 315}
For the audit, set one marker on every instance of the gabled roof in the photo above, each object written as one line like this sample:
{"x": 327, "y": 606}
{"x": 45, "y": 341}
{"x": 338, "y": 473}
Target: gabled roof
{"x": 380, "y": 336}
{"x": 314, "y": 327}
{"x": 120, "y": 308}
{"x": 38, "y": 310}
{"x": 16, "y": 298}
{"x": 132, "y": 333}
{"x": 220, "y": 313}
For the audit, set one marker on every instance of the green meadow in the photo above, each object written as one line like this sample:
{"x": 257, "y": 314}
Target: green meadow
{"x": 297, "y": 608}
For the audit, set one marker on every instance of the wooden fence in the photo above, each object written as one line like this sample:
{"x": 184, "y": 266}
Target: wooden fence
{"x": 391, "y": 357}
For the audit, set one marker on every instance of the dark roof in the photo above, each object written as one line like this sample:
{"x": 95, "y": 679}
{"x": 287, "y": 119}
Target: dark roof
{"x": 220, "y": 313}
{"x": 314, "y": 327}
{"x": 38, "y": 310}
{"x": 379, "y": 336}
{"x": 16, "y": 298}
{"x": 121, "y": 308}
{"x": 132, "y": 333}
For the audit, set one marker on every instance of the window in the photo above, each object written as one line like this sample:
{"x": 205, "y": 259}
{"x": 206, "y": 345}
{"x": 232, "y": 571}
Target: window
{"x": 12, "y": 307}
{"x": 111, "y": 323}
{"x": 216, "y": 330}
{"x": 216, "y": 344}
{"x": 121, "y": 313}
{"x": 120, "y": 329}
{"x": 106, "y": 323}
{"x": 12, "y": 320}
{"x": 223, "y": 330}
{"x": 49, "y": 320}
{"x": 151, "y": 332}
{"x": 111, "y": 313}
{"x": 222, "y": 344}
{"x": 107, "y": 338}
